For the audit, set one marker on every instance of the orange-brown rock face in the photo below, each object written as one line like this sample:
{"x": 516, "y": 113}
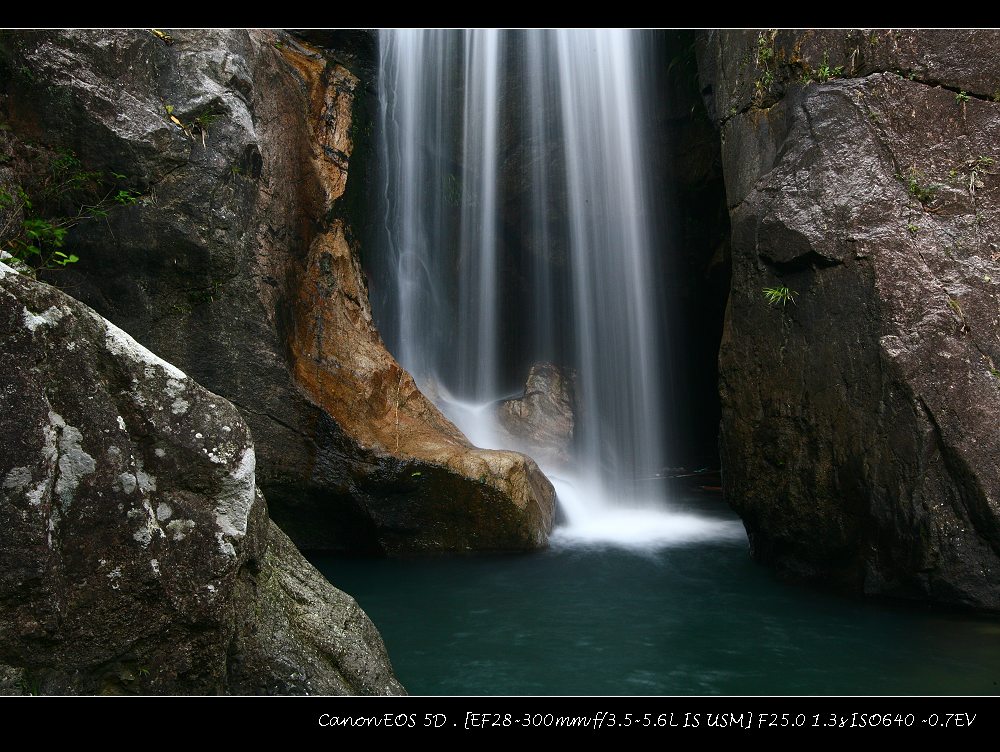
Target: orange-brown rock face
{"x": 460, "y": 497}
{"x": 238, "y": 266}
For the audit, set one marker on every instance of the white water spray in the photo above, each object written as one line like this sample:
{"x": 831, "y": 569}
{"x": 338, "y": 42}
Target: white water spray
{"x": 567, "y": 105}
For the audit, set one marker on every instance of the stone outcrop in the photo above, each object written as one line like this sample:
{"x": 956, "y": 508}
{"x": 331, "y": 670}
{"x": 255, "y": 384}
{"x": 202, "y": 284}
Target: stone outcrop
{"x": 136, "y": 553}
{"x": 238, "y": 264}
{"x": 542, "y": 419}
{"x": 859, "y": 429}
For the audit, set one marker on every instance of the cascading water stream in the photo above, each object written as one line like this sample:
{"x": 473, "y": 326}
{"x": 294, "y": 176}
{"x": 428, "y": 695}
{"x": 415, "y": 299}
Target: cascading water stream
{"x": 519, "y": 224}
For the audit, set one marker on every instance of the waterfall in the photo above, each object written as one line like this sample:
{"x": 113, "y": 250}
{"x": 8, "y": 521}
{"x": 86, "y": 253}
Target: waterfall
{"x": 478, "y": 295}
{"x": 519, "y": 225}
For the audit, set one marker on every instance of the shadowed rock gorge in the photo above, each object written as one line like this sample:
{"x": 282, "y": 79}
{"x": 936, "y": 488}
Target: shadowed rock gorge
{"x": 212, "y": 343}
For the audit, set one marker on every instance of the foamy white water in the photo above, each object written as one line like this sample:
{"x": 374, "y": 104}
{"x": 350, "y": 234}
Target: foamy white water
{"x": 592, "y": 519}
{"x": 590, "y": 516}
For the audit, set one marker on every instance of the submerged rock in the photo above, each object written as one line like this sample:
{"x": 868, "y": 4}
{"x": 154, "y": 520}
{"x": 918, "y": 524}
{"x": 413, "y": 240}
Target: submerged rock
{"x": 543, "y": 418}
{"x": 136, "y": 553}
{"x": 238, "y": 264}
{"x": 859, "y": 427}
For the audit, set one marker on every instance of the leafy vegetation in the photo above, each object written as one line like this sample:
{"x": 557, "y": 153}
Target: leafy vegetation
{"x": 917, "y": 185}
{"x": 779, "y": 296}
{"x": 824, "y": 73}
{"x": 962, "y": 97}
{"x": 198, "y": 126}
{"x": 766, "y": 63}
{"x": 36, "y": 221}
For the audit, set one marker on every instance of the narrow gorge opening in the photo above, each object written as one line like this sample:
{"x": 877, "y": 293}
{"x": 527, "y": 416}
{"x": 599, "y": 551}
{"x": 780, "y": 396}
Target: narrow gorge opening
{"x": 497, "y": 199}
{"x": 549, "y": 206}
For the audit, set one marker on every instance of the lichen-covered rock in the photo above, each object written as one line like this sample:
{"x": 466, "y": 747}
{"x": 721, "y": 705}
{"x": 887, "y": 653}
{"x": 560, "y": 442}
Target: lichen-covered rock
{"x": 542, "y": 419}
{"x": 239, "y": 265}
{"x": 859, "y": 430}
{"x": 136, "y": 554}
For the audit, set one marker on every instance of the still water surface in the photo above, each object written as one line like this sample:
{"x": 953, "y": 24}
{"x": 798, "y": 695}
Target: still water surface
{"x": 699, "y": 618}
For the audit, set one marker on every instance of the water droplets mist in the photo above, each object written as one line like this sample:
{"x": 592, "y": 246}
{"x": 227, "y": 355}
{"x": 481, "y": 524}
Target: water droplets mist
{"x": 519, "y": 226}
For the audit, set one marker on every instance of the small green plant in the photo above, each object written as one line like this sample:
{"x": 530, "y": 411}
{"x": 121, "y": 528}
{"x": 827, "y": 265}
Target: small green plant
{"x": 918, "y": 187}
{"x": 766, "y": 63}
{"x": 779, "y": 296}
{"x": 63, "y": 195}
{"x": 198, "y": 126}
{"x": 765, "y": 47}
{"x": 126, "y": 197}
{"x": 995, "y": 372}
{"x": 824, "y": 73}
{"x": 206, "y": 119}
{"x": 962, "y": 97}
{"x": 913, "y": 229}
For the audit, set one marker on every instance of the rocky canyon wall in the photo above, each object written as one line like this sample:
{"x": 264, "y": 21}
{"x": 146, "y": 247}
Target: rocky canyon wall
{"x": 859, "y": 419}
{"x": 238, "y": 264}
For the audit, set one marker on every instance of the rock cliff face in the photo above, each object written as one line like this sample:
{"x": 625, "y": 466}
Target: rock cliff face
{"x": 859, "y": 429}
{"x": 238, "y": 264}
{"x": 136, "y": 553}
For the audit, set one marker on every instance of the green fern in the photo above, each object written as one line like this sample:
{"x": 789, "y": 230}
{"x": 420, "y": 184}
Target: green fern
{"x": 779, "y": 296}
